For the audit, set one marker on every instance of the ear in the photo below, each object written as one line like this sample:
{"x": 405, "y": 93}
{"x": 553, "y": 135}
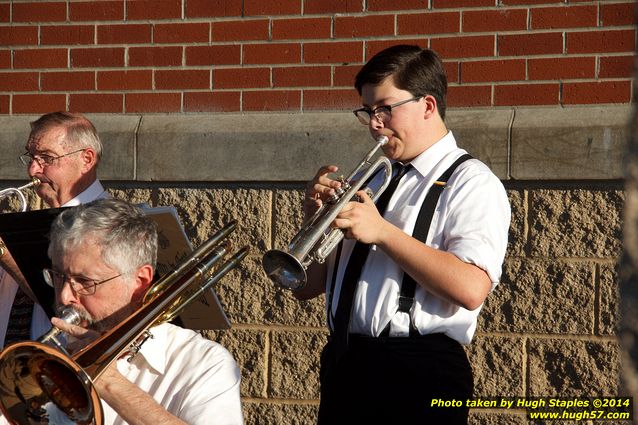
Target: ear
{"x": 143, "y": 279}
{"x": 89, "y": 159}
{"x": 430, "y": 106}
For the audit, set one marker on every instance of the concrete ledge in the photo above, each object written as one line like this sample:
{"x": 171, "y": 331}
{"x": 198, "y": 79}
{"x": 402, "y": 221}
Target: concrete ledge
{"x": 518, "y": 143}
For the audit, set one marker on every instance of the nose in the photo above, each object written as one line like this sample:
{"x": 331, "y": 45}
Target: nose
{"x": 34, "y": 167}
{"x": 375, "y": 123}
{"x": 66, "y": 295}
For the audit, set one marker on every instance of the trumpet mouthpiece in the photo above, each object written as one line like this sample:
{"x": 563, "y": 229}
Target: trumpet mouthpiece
{"x": 35, "y": 181}
{"x": 382, "y": 140}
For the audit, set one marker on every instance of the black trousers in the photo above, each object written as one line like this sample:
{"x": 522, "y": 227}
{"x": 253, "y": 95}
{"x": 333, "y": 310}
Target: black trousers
{"x": 394, "y": 381}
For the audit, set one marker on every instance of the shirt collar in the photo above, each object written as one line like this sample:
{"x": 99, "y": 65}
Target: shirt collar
{"x": 91, "y": 193}
{"x": 425, "y": 162}
{"x": 154, "y": 349}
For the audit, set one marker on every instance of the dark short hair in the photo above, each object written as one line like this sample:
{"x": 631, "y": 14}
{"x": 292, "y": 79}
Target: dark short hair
{"x": 419, "y": 71}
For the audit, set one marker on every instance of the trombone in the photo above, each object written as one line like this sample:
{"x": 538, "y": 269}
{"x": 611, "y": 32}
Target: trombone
{"x": 314, "y": 242}
{"x": 38, "y": 379}
{"x": 18, "y": 191}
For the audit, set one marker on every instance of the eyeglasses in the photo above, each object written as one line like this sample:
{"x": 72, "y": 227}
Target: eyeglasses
{"x": 43, "y": 159}
{"x": 383, "y": 113}
{"x": 80, "y": 285}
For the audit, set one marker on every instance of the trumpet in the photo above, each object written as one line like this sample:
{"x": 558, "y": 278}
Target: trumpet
{"x": 18, "y": 191}
{"x": 315, "y": 241}
{"x": 38, "y": 379}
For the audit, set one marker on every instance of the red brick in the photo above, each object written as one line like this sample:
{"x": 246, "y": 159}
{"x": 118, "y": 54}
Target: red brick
{"x": 451, "y": 71}
{"x": 97, "y": 57}
{"x": 96, "y": 102}
{"x": 300, "y": 76}
{"x": 182, "y": 79}
{"x": 332, "y": 6}
{"x": 155, "y": 56}
{"x": 618, "y": 14}
{"x": 494, "y": 70}
{"x": 561, "y": 68}
{"x": 124, "y": 34}
{"x": 530, "y": 44}
{"x": 41, "y": 11}
{"x": 272, "y": 7}
{"x": 272, "y": 100}
{"x": 597, "y": 92}
{"x": 5, "y": 59}
{"x": 564, "y": 17}
{"x": 152, "y": 102}
{"x": 102, "y": 10}
{"x": 153, "y": 9}
{"x": 181, "y": 33}
{"x": 241, "y": 78}
{"x": 526, "y": 2}
{"x": 601, "y": 41}
{"x": 429, "y": 23}
{"x": 331, "y": 100}
{"x": 125, "y": 80}
{"x": 19, "y": 81}
{"x": 67, "y": 34}
{"x": 375, "y": 46}
{"x": 464, "y": 47}
{"x": 336, "y": 52}
{"x": 5, "y": 12}
{"x": 68, "y": 81}
{"x": 441, "y": 4}
{"x": 5, "y": 104}
{"x": 40, "y": 58}
{"x": 18, "y": 35}
{"x": 526, "y": 94}
{"x": 240, "y": 30}
{"x": 344, "y": 75}
{"x": 222, "y": 101}
{"x": 377, "y": 5}
{"x": 463, "y": 96}
{"x": 213, "y": 55}
{"x": 38, "y": 103}
{"x": 213, "y": 8}
{"x": 616, "y": 67}
{"x": 272, "y": 53}
{"x": 288, "y": 29}
{"x": 363, "y": 26}
{"x": 495, "y": 20}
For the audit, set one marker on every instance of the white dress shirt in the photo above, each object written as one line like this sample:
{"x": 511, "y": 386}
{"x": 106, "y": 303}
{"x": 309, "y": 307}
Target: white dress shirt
{"x": 40, "y": 322}
{"x": 193, "y": 378}
{"x": 471, "y": 221}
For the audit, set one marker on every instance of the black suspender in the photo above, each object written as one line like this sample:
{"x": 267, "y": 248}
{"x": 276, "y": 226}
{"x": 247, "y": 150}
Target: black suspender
{"x": 420, "y": 232}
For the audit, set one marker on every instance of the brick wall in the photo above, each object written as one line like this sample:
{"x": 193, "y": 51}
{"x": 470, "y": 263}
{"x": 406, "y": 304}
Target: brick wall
{"x": 179, "y": 56}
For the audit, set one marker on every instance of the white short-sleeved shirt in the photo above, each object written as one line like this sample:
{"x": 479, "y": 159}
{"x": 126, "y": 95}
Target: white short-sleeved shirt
{"x": 471, "y": 221}
{"x": 193, "y": 378}
{"x": 40, "y": 322}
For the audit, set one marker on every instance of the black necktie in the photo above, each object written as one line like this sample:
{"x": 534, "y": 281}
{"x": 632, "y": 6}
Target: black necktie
{"x": 355, "y": 265}
{"x": 19, "y": 327}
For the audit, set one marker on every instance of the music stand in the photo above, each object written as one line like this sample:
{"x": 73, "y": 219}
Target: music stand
{"x": 26, "y": 237}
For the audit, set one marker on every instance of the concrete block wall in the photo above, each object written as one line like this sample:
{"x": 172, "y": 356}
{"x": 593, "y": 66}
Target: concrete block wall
{"x": 547, "y": 330}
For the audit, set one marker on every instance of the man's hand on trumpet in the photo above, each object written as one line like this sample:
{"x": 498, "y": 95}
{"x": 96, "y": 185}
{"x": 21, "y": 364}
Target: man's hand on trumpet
{"x": 320, "y": 189}
{"x": 77, "y": 336}
{"x": 362, "y": 221}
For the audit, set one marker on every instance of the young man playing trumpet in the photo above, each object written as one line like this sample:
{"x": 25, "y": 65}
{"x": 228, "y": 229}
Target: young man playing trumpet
{"x": 393, "y": 349}
{"x": 103, "y": 256}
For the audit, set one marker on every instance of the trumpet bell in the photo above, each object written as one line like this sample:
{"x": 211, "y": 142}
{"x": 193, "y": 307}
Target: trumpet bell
{"x": 284, "y": 269}
{"x": 39, "y": 384}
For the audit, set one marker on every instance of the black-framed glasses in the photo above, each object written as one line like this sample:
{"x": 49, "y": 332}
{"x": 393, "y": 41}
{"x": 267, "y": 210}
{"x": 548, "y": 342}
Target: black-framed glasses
{"x": 383, "y": 113}
{"x": 43, "y": 159}
{"x": 80, "y": 285}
